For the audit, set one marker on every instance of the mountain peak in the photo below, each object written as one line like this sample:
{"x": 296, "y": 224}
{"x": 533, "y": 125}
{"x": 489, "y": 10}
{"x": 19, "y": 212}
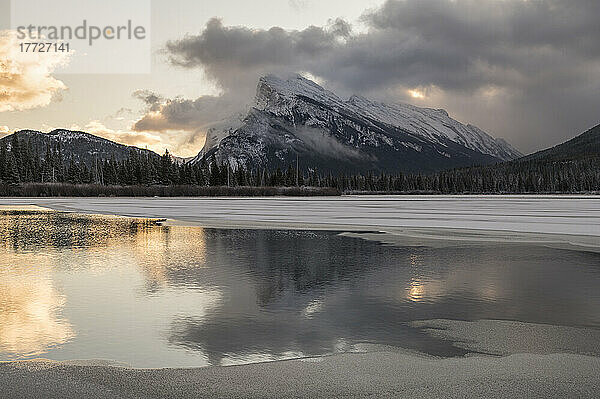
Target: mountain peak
{"x": 274, "y": 93}
{"x": 295, "y": 115}
{"x": 69, "y": 133}
{"x": 293, "y": 84}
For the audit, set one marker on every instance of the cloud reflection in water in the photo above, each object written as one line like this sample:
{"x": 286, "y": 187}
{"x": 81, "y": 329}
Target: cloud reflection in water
{"x": 77, "y": 286}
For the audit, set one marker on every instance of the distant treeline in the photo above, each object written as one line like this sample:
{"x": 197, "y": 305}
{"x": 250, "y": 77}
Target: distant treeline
{"x": 21, "y": 165}
{"x": 98, "y": 190}
{"x": 21, "y": 162}
{"x": 516, "y": 177}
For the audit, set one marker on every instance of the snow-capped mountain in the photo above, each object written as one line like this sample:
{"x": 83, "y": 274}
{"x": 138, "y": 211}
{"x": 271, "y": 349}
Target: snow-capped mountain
{"x": 298, "y": 119}
{"x": 79, "y": 146}
{"x": 435, "y": 124}
{"x": 218, "y": 132}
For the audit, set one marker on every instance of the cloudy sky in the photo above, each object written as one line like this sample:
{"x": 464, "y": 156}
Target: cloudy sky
{"x": 528, "y": 71}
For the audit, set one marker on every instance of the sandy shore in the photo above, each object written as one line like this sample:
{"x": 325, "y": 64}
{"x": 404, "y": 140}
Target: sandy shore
{"x": 369, "y": 375}
{"x": 505, "y": 337}
{"x": 533, "y": 365}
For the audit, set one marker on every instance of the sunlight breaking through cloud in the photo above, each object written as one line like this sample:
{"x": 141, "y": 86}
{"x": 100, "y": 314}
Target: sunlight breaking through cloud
{"x": 26, "y": 79}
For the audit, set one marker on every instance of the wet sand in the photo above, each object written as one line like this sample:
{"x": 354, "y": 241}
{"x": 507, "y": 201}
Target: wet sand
{"x": 560, "y": 362}
{"x": 368, "y": 375}
{"x": 505, "y": 337}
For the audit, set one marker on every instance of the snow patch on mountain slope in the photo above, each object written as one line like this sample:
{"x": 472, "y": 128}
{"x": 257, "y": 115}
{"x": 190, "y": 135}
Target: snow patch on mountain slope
{"x": 281, "y": 96}
{"x": 64, "y": 135}
{"x": 218, "y": 132}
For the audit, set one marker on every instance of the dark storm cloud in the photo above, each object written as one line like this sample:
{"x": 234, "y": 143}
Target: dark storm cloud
{"x": 464, "y": 44}
{"x": 151, "y": 99}
{"x": 235, "y": 56}
{"x": 526, "y": 70}
{"x": 183, "y": 114}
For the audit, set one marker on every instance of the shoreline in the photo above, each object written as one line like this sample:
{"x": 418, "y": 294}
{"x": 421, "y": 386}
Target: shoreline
{"x": 563, "y": 222}
{"x": 487, "y": 338}
{"x": 566, "y": 215}
{"x": 506, "y": 359}
{"x": 383, "y": 374}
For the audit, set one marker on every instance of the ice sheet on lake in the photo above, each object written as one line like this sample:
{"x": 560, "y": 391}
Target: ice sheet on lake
{"x": 560, "y": 215}
{"x": 444, "y": 238}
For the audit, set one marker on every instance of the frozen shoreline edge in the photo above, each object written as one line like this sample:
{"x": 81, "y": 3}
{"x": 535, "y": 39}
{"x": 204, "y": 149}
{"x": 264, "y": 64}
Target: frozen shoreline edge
{"x": 390, "y": 235}
{"x": 567, "y": 216}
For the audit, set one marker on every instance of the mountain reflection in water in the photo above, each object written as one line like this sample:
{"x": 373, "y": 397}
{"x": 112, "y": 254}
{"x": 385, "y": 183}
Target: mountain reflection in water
{"x": 80, "y": 286}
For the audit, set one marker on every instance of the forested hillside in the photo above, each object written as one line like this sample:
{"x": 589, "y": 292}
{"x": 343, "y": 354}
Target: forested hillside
{"x": 22, "y": 162}
{"x": 572, "y": 167}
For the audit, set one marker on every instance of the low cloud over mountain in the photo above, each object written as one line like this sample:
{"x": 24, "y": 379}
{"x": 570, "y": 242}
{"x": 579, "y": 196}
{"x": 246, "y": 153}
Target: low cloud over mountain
{"x": 513, "y": 67}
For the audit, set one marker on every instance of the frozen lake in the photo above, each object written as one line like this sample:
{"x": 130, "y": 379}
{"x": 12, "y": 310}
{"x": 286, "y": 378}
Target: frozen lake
{"x": 570, "y": 215}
